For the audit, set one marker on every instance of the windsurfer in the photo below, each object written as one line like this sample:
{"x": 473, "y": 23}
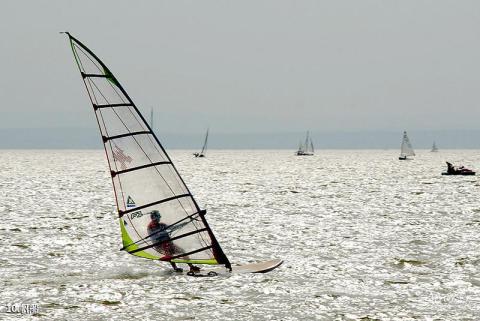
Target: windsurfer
{"x": 158, "y": 233}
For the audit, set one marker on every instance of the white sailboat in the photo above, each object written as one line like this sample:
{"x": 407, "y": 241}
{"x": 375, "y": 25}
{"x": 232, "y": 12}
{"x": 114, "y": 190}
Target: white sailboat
{"x": 406, "y": 149}
{"x": 306, "y": 149}
{"x": 204, "y": 147}
{"x": 434, "y": 148}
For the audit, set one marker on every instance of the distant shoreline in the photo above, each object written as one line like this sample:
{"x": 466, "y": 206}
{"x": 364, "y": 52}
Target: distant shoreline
{"x": 88, "y": 138}
{"x": 318, "y": 150}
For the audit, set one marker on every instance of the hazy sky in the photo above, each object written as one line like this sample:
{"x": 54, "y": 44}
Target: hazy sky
{"x": 249, "y": 66}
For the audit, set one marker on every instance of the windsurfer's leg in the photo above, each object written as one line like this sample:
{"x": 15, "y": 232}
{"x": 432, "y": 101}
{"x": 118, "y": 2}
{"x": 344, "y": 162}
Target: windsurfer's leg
{"x": 175, "y": 267}
{"x": 193, "y": 268}
{"x": 167, "y": 249}
{"x": 178, "y": 249}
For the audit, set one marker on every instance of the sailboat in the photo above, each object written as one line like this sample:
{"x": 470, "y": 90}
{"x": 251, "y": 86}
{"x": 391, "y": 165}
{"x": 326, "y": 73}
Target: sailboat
{"x": 147, "y": 186}
{"x": 406, "y": 148}
{"x": 434, "y": 148}
{"x": 204, "y": 147}
{"x": 305, "y": 149}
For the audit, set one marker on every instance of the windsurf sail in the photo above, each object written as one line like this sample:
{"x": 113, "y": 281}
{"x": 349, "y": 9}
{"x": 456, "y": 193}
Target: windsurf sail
{"x": 434, "y": 148}
{"x": 159, "y": 218}
{"x": 406, "y": 148}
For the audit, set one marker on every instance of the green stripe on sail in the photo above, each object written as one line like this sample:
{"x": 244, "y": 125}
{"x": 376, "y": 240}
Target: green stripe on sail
{"x": 127, "y": 240}
{"x": 210, "y": 261}
{"x": 110, "y": 76}
{"x": 75, "y": 55}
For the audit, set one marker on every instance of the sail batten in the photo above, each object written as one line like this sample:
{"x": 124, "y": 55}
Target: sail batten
{"x": 149, "y": 191}
{"x": 139, "y": 168}
{"x": 126, "y": 135}
{"x": 190, "y": 253}
{"x": 111, "y": 105}
{"x": 84, "y": 75}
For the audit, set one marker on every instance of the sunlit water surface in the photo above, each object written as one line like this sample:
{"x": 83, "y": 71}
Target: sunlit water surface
{"x": 364, "y": 236}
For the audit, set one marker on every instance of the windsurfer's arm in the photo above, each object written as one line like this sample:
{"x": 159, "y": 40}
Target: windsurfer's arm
{"x": 177, "y": 226}
{"x": 158, "y": 234}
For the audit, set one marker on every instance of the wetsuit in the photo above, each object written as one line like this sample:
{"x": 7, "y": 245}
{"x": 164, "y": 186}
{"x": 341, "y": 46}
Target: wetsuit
{"x": 158, "y": 233}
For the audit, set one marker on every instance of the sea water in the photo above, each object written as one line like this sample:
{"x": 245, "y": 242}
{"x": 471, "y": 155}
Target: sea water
{"x": 364, "y": 236}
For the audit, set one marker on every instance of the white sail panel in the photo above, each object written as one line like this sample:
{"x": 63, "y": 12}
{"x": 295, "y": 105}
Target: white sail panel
{"x": 148, "y": 185}
{"x": 119, "y": 120}
{"x": 103, "y": 91}
{"x": 134, "y": 151}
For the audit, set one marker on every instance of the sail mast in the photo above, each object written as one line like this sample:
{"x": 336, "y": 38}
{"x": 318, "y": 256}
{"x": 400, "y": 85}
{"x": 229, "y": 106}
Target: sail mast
{"x": 151, "y": 118}
{"x": 306, "y": 142}
{"x": 100, "y": 83}
{"x": 204, "y": 148}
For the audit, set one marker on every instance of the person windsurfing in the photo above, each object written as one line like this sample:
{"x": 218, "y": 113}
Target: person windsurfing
{"x": 159, "y": 234}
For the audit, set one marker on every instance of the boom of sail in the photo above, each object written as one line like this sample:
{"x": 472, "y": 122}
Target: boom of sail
{"x": 306, "y": 148}
{"x": 204, "y": 147}
{"x": 146, "y": 183}
{"x": 406, "y": 148}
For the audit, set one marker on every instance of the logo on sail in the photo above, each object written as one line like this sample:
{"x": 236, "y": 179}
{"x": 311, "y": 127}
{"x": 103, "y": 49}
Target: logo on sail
{"x": 136, "y": 214}
{"x": 130, "y": 202}
{"x": 120, "y": 157}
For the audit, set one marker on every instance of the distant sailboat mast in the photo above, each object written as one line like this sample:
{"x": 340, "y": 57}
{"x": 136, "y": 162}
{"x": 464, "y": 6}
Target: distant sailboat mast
{"x": 306, "y": 141}
{"x": 204, "y": 148}
{"x": 151, "y": 118}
